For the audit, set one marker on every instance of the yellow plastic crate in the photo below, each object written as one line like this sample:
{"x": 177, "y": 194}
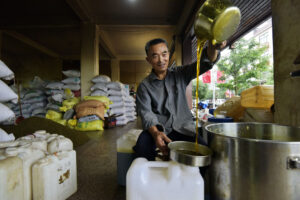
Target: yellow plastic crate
{"x": 261, "y": 97}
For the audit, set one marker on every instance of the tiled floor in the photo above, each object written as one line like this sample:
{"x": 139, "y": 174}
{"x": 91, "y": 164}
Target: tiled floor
{"x": 97, "y": 166}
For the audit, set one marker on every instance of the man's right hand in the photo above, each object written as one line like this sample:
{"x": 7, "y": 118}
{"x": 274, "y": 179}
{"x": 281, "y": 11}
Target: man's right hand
{"x": 161, "y": 141}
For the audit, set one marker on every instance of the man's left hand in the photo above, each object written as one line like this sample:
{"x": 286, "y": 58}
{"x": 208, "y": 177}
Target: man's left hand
{"x": 213, "y": 50}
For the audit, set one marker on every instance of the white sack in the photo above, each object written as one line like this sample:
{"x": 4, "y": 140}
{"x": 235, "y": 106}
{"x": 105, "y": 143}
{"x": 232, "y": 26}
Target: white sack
{"x": 71, "y": 80}
{"x": 115, "y": 86}
{"x": 101, "y": 79}
{"x": 99, "y": 93}
{"x": 5, "y": 72}
{"x": 71, "y": 73}
{"x": 55, "y": 85}
{"x": 7, "y": 94}
{"x": 6, "y": 114}
{"x": 99, "y": 86}
{"x": 73, "y": 87}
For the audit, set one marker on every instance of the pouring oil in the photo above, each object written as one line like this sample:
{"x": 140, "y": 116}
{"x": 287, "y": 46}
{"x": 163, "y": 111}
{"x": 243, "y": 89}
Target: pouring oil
{"x": 216, "y": 20}
{"x": 200, "y": 45}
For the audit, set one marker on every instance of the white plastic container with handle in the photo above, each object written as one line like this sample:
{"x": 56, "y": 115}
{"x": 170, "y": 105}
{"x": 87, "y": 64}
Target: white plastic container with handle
{"x": 55, "y": 176}
{"x": 28, "y": 156}
{"x": 11, "y": 181}
{"x": 60, "y": 143}
{"x": 151, "y": 180}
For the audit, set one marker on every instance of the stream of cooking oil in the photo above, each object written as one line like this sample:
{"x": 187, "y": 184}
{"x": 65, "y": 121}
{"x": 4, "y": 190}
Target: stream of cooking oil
{"x": 200, "y": 45}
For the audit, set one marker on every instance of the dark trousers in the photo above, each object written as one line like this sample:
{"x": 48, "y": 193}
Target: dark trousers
{"x": 145, "y": 145}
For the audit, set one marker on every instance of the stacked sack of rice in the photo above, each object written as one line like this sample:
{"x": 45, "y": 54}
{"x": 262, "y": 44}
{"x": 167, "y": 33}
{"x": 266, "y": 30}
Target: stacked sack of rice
{"x": 99, "y": 88}
{"x": 117, "y": 94}
{"x": 36, "y": 101}
{"x": 72, "y": 81}
{"x": 90, "y": 113}
{"x": 33, "y": 99}
{"x": 130, "y": 110}
{"x": 55, "y": 94}
{"x": 6, "y": 95}
{"x": 62, "y": 110}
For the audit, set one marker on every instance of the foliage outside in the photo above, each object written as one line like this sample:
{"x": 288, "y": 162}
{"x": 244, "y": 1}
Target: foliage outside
{"x": 203, "y": 91}
{"x": 246, "y": 66}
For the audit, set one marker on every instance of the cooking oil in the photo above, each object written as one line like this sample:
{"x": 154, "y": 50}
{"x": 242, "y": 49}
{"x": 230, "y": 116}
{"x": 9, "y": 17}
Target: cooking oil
{"x": 216, "y": 20}
{"x": 200, "y": 45}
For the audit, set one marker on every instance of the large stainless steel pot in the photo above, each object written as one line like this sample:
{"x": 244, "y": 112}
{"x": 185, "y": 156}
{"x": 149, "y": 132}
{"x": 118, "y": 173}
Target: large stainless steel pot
{"x": 254, "y": 161}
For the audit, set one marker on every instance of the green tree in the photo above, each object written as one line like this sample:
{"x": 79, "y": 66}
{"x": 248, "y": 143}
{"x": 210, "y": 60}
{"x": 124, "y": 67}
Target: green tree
{"x": 203, "y": 91}
{"x": 246, "y": 66}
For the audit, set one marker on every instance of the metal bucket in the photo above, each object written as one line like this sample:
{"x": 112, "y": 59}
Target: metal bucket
{"x": 254, "y": 161}
{"x": 189, "y": 153}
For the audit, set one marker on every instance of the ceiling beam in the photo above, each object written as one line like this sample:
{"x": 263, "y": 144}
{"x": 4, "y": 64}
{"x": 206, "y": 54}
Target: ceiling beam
{"x": 31, "y": 22}
{"x": 80, "y": 10}
{"x": 44, "y": 26}
{"x": 31, "y": 43}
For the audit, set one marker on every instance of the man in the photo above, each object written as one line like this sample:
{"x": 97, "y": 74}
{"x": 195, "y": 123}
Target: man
{"x": 161, "y": 100}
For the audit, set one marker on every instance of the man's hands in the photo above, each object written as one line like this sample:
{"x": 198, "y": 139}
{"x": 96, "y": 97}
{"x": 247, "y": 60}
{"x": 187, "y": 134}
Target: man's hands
{"x": 213, "y": 50}
{"x": 160, "y": 139}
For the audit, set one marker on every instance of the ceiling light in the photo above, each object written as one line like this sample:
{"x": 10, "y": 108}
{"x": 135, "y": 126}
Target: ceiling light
{"x": 132, "y": 1}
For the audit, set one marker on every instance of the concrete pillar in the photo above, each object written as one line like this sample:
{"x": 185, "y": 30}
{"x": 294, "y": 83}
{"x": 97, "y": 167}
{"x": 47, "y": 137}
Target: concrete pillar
{"x": 115, "y": 69}
{"x": 286, "y": 42}
{"x": 178, "y": 51}
{"x": 89, "y": 56}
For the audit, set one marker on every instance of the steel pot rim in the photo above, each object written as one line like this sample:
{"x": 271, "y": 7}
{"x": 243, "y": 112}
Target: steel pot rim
{"x": 252, "y": 139}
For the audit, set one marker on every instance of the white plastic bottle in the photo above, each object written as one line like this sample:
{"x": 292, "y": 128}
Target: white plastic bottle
{"x": 152, "y": 180}
{"x": 28, "y": 156}
{"x": 11, "y": 178}
{"x": 55, "y": 176}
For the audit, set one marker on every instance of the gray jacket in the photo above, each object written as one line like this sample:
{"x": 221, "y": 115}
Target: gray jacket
{"x": 163, "y": 103}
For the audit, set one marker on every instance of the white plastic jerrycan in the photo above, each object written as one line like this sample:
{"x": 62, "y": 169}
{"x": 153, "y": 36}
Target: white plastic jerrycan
{"x": 125, "y": 153}
{"x": 59, "y": 143}
{"x": 29, "y": 156}
{"x": 152, "y": 180}
{"x": 55, "y": 176}
{"x": 36, "y": 143}
{"x": 47, "y": 142}
{"x": 127, "y": 141}
{"x": 11, "y": 178}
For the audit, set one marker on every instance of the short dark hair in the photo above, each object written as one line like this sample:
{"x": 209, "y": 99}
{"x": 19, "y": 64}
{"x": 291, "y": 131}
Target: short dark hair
{"x": 154, "y": 42}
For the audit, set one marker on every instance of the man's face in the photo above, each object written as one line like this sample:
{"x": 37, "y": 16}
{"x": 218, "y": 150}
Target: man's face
{"x": 158, "y": 57}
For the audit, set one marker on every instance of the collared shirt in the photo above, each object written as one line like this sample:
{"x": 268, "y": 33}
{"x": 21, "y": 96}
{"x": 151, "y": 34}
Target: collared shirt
{"x": 163, "y": 103}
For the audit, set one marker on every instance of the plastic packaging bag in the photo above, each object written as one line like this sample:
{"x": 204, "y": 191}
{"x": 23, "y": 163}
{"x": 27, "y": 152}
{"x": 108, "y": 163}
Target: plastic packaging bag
{"x": 53, "y": 115}
{"x": 72, "y": 123}
{"x": 96, "y": 125}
